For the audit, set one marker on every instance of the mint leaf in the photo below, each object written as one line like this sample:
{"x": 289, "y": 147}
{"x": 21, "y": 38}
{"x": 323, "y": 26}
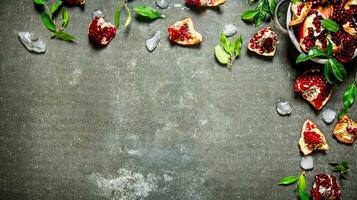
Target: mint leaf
{"x": 288, "y": 180}
{"x": 249, "y": 15}
{"x": 221, "y": 55}
{"x": 55, "y": 7}
{"x": 349, "y": 97}
{"x": 63, "y": 36}
{"x": 65, "y": 18}
{"x": 47, "y": 22}
{"x": 39, "y": 2}
{"x": 330, "y": 25}
{"x": 117, "y": 17}
{"x": 148, "y": 12}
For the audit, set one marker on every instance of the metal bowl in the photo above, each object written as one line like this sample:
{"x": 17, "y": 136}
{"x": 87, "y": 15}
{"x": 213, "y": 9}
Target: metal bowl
{"x": 291, "y": 33}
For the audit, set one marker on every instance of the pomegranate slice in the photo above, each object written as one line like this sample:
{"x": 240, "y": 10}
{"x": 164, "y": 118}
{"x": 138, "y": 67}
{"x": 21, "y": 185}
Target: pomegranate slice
{"x": 311, "y": 32}
{"x": 264, "y": 42}
{"x": 75, "y": 2}
{"x": 325, "y": 188}
{"x": 346, "y": 130}
{"x": 312, "y": 139}
{"x": 101, "y": 32}
{"x": 183, "y": 33}
{"x": 313, "y": 88}
{"x": 300, "y": 10}
{"x": 205, "y": 3}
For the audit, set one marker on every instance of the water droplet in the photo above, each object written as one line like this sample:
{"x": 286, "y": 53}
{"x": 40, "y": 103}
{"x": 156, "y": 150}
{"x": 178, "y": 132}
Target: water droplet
{"x": 32, "y": 42}
{"x": 328, "y": 115}
{"x": 152, "y": 43}
{"x": 163, "y": 4}
{"x": 229, "y": 30}
{"x": 283, "y": 107}
{"x": 98, "y": 13}
{"x": 307, "y": 162}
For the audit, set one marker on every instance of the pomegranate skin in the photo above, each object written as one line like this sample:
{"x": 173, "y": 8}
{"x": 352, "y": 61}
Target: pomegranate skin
{"x": 325, "y": 187}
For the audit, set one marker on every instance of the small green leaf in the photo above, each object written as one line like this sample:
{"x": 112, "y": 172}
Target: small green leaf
{"x": 117, "y": 17}
{"x": 302, "y": 183}
{"x": 238, "y": 45}
{"x": 147, "y": 11}
{"x": 65, "y": 18}
{"x": 47, "y": 21}
{"x": 249, "y": 14}
{"x": 127, "y": 18}
{"x": 55, "y": 7}
{"x": 328, "y": 74}
{"x": 330, "y": 25}
{"x": 226, "y": 44}
{"x": 39, "y": 2}
{"x": 316, "y": 52}
{"x": 342, "y": 112}
{"x": 259, "y": 19}
{"x": 304, "y": 195}
{"x": 329, "y": 49}
{"x": 349, "y": 98}
{"x": 221, "y": 55}
{"x": 338, "y": 70}
{"x": 272, "y": 6}
{"x": 302, "y": 58}
{"x": 63, "y": 36}
{"x": 288, "y": 180}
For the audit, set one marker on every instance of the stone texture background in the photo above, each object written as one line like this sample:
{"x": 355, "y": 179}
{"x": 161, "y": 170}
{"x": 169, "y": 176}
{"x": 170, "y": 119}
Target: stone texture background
{"x": 122, "y": 123}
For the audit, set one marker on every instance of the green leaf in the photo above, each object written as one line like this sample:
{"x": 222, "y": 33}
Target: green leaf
{"x": 259, "y": 19}
{"x": 349, "y": 98}
{"x": 221, "y": 55}
{"x": 39, "y": 2}
{"x": 304, "y": 195}
{"x": 272, "y": 6}
{"x": 302, "y": 58}
{"x": 344, "y": 164}
{"x": 338, "y": 70}
{"x": 55, "y": 7}
{"x": 63, "y": 36}
{"x": 47, "y": 21}
{"x": 328, "y": 73}
{"x": 147, "y": 11}
{"x": 65, "y": 18}
{"x": 226, "y": 44}
{"x": 329, "y": 49}
{"x": 238, "y": 45}
{"x": 249, "y": 15}
{"x": 330, "y": 25}
{"x": 295, "y": 1}
{"x": 342, "y": 112}
{"x": 127, "y": 18}
{"x": 316, "y": 52}
{"x": 117, "y": 17}
{"x": 288, "y": 180}
{"x": 302, "y": 183}
{"x": 334, "y": 164}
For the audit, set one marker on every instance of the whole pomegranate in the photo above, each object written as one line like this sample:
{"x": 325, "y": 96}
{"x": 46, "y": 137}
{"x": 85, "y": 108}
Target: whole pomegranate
{"x": 75, "y": 2}
{"x": 100, "y": 31}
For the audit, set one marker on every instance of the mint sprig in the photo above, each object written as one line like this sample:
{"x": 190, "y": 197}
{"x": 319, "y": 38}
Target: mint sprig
{"x": 230, "y": 50}
{"x": 263, "y": 10}
{"x": 333, "y": 69}
{"x": 48, "y": 17}
{"x": 341, "y": 167}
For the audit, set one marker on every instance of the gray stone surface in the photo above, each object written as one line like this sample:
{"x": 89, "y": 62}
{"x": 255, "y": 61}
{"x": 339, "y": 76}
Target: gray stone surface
{"x": 119, "y": 123}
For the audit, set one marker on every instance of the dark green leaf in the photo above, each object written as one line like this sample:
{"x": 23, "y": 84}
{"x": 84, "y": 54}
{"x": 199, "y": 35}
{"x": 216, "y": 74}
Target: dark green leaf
{"x": 316, "y": 52}
{"x": 226, "y": 44}
{"x": 260, "y": 18}
{"x": 63, "y": 36}
{"x": 221, "y": 55}
{"x": 330, "y": 25}
{"x": 288, "y": 180}
{"x": 302, "y": 183}
{"x": 328, "y": 73}
{"x": 238, "y": 45}
{"x": 304, "y": 195}
{"x": 249, "y": 14}
{"x": 39, "y": 2}
{"x": 342, "y": 112}
{"x": 47, "y": 21}
{"x": 55, "y": 7}
{"x": 117, "y": 17}
{"x": 65, "y": 17}
{"x": 345, "y": 163}
{"x": 329, "y": 49}
{"x": 147, "y": 11}
{"x": 338, "y": 70}
{"x": 302, "y": 58}
{"x": 272, "y": 6}
{"x": 349, "y": 96}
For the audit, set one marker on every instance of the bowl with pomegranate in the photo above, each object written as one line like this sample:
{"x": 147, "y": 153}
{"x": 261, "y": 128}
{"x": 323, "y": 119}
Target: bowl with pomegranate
{"x": 316, "y": 23}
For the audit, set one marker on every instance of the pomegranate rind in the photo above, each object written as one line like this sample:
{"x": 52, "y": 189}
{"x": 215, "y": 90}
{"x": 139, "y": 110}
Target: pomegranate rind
{"x": 256, "y": 43}
{"x": 312, "y": 92}
{"x": 205, "y": 3}
{"x": 340, "y": 130}
{"x": 299, "y": 17}
{"x": 196, "y": 37}
{"x": 307, "y": 149}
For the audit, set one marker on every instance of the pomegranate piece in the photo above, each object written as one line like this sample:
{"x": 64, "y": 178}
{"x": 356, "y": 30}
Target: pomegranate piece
{"x": 313, "y": 88}
{"x": 312, "y": 139}
{"x": 325, "y": 188}
{"x": 183, "y": 33}
{"x": 300, "y": 10}
{"x": 74, "y": 2}
{"x": 345, "y": 130}
{"x": 205, "y": 3}
{"x": 264, "y": 42}
{"x": 101, "y": 32}
{"x": 350, "y": 25}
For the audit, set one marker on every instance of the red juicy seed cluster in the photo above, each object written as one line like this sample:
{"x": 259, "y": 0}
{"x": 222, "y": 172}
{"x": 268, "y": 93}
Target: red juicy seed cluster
{"x": 346, "y": 52}
{"x": 263, "y": 44}
{"x": 311, "y": 137}
{"x": 322, "y": 37}
{"x": 193, "y": 2}
{"x": 340, "y": 15}
{"x": 97, "y": 33}
{"x": 351, "y": 130}
{"x": 179, "y": 34}
{"x": 299, "y": 8}
{"x": 328, "y": 185}
{"x": 317, "y": 23}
